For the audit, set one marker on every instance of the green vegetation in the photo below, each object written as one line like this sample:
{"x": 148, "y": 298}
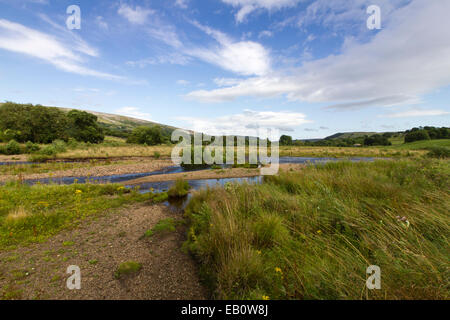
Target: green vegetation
{"x": 426, "y": 133}
{"x": 312, "y": 234}
{"x": 377, "y": 140}
{"x": 84, "y": 127}
{"x": 40, "y": 124}
{"x": 423, "y": 145}
{"x": 162, "y": 227}
{"x": 150, "y": 136}
{"x": 127, "y": 268}
{"x": 286, "y": 140}
{"x": 180, "y": 189}
{"x": 30, "y": 214}
{"x": 439, "y": 152}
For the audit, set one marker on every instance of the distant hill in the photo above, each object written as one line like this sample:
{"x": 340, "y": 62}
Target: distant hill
{"x": 350, "y": 135}
{"x": 119, "y": 122}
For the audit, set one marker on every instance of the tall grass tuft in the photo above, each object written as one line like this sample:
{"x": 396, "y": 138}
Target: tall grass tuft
{"x": 312, "y": 234}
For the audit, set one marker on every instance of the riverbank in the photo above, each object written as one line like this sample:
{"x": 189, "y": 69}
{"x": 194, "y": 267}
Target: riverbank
{"x": 208, "y": 174}
{"x": 81, "y": 169}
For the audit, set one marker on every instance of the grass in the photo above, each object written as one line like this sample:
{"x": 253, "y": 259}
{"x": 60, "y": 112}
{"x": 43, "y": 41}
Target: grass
{"x": 424, "y": 145}
{"x": 180, "y": 189}
{"x": 107, "y": 151}
{"x": 312, "y": 234}
{"x": 51, "y": 167}
{"x": 127, "y": 268}
{"x": 30, "y": 214}
{"x": 162, "y": 227}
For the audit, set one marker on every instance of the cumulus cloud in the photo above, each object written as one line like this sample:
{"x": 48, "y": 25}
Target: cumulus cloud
{"x": 137, "y": 15}
{"x": 406, "y": 59}
{"x": 63, "y": 54}
{"x": 242, "y": 57}
{"x": 248, "y": 6}
{"x": 248, "y": 123}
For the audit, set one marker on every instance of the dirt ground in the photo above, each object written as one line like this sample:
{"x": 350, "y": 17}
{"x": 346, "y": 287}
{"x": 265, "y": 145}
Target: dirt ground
{"x": 138, "y": 165}
{"x": 98, "y": 246}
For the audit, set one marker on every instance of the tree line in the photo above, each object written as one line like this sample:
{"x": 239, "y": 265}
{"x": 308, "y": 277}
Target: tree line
{"x": 39, "y": 124}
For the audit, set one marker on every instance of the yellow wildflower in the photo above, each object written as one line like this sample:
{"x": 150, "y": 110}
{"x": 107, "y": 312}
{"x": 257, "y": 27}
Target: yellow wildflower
{"x": 278, "y": 270}
{"x": 78, "y": 192}
{"x": 265, "y": 298}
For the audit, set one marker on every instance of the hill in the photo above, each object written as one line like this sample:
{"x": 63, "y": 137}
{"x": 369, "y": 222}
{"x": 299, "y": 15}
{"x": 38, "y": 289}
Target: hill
{"x": 118, "y": 123}
{"x": 350, "y": 135}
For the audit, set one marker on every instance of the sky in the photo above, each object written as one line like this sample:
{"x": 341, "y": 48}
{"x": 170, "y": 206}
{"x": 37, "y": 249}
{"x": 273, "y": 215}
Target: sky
{"x": 306, "y": 68}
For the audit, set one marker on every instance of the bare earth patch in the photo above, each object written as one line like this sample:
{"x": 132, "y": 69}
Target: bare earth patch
{"x": 136, "y": 166}
{"x": 98, "y": 247}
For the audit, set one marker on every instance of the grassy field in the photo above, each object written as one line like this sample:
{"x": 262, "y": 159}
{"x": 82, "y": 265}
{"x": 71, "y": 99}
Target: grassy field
{"x": 49, "y": 167}
{"x": 117, "y": 148}
{"x": 30, "y": 214}
{"x": 311, "y": 234}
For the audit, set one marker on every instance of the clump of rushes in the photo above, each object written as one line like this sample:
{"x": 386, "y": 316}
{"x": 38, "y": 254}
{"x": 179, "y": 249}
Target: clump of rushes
{"x": 180, "y": 189}
{"x": 163, "y": 226}
{"x": 312, "y": 234}
{"x": 127, "y": 268}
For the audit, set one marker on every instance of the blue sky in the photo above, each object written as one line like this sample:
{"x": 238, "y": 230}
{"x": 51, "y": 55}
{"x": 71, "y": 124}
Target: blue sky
{"x": 309, "y": 68}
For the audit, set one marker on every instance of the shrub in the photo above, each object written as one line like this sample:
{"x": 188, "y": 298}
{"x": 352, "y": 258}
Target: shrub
{"x": 127, "y": 268}
{"x": 417, "y": 135}
{"x": 439, "y": 152}
{"x": 179, "y": 189}
{"x": 11, "y": 148}
{"x": 31, "y": 147}
{"x": 150, "y": 136}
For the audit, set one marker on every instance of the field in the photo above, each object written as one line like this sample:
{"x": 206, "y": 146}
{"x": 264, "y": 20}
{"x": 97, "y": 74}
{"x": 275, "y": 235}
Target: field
{"x": 307, "y": 233}
{"x": 311, "y": 234}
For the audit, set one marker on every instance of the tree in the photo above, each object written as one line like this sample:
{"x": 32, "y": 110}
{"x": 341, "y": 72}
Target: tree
{"x": 146, "y": 135}
{"x": 416, "y": 135}
{"x": 377, "y": 140}
{"x": 285, "y": 140}
{"x": 84, "y": 127}
{"x": 37, "y": 124}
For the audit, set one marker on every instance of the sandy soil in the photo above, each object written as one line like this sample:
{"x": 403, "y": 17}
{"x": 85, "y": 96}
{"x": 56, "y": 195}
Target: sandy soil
{"x": 98, "y": 247}
{"x": 209, "y": 174}
{"x": 136, "y": 166}
{"x": 15, "y": 158}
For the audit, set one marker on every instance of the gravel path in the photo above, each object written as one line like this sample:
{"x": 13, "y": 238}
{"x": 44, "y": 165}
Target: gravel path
{"x": 98, "y": 247}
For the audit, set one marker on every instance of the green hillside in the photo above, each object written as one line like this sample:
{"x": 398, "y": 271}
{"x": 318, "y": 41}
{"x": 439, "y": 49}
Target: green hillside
{"x": 349, "y": 135}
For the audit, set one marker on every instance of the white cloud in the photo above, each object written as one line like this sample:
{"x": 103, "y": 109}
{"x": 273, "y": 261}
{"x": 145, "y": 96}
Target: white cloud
{"x": 20, "y": 39}
{"x": 416, "y": 113}
{"x": 242, "y": 57}
{"x": 170, "y": 58}
{"x": 183, "y": 4}
{"x": 408, "y": 58}
{"x": 134, "y": 113}
{"x": 183, "y": 82}
{"x": 101, "y": 23}
{"x": 137, "y": 15}
{"x": 343, "y": 14}
{"x": 248, "y": 123}
{"x": 248, "y": 6}
{"x": 265, "y": 33}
